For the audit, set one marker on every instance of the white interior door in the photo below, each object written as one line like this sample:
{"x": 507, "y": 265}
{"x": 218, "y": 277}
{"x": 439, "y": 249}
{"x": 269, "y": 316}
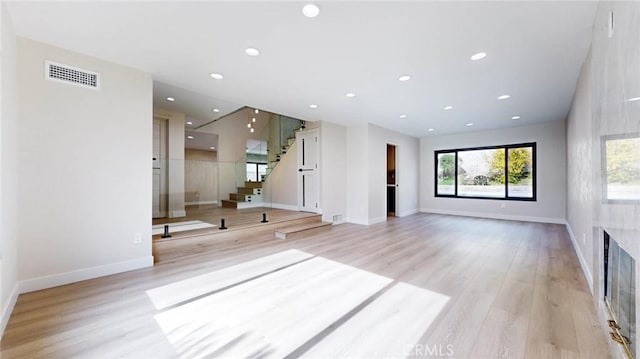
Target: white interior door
{"x": 308, "y": 171}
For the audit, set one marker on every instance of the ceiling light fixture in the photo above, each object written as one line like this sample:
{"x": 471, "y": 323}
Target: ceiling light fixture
{"x": 170, "y": 99}
{"x": 252, "y": 51}
{"x": 216, "y": 110}
{"x": 311, "y": 10}
{"x": 216, "y": 76}
{"x": 189, "y": 123}
{"x": 633, "y": 99}
{"x": 253, "y": 119}
{"x": 252, "y": 130}
{"x": 515, "y": 117}
{"x": 249, "y": 125}
{"x": 503, "y": 97}
{"x": 190, "y": 137}
{"x": 256, "y": 111}
{"x": 351, "y": 94}
{"x": 478, "y": 56}
{"x": 449, "y": 108}
{"x": 404, "y": 78}
{"x": 430, "y": 129}
{"x": 469, "y": 124}
{"x": 403, "y": 116}
{"x": 313, "y": 106}
{"x": 212, "y": 148}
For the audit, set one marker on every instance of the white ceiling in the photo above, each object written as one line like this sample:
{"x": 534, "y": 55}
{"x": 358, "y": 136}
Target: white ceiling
{"x": 535, "y": 50}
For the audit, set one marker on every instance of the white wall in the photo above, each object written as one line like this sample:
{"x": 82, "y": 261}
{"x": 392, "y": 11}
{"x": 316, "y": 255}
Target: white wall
{"x": 407, "y": 154}
{"x": 8, "y": 170}
{"x": 357, "y": 174}
{"x": 551, "y": 174}
{"x": 84, "y": 169}
{"x": 333, "y": 171}
{"x": 200, "y": 177}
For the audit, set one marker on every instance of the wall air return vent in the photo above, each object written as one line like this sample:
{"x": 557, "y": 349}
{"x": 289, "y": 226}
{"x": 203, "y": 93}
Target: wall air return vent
{"x": 71, "y": 75}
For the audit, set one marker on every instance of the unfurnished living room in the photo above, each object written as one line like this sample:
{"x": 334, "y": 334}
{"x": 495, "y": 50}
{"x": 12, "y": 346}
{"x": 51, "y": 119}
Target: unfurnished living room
{"x": 331, "y": 179}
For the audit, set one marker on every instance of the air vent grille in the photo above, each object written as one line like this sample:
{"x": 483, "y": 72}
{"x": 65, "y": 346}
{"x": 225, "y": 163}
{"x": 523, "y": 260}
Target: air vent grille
{"x": 72, "y": 75}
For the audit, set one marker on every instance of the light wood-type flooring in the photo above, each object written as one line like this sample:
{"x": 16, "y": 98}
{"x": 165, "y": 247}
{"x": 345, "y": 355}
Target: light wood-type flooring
{"x": 429, "y": 286}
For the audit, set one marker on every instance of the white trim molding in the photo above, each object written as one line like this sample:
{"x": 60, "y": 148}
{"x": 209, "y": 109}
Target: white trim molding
{"x": 583, "y": 263}
{"x": 408, "y": 213}
{"x": 288, "y": 207}
{"x": 54, "y": 280}
{"x": 496, "y": 216}
{"x": 7, "y": 309}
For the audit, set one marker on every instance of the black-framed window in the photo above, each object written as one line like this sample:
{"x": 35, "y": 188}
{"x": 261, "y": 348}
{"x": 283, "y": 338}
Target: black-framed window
{"x": 491, "y": 172}
{"x": 255, "y": 171}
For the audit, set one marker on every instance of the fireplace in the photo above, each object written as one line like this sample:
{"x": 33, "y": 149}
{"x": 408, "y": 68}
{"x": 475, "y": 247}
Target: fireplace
{"x": 619, "y": 293}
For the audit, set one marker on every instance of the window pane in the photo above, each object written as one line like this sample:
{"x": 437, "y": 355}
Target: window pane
{"x": 520, "y": 172}
{"x": 262, "y": 171}
{"x": 252, "y": 173}
{"x": 446, "y": 174}
{"x": 481, "y": 173}
{"x": 623, "y": 169}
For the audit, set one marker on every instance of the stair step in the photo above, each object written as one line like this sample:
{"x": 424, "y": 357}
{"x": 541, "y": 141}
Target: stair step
{"x": 245, "y": 190}
{"x": 301, "y": 230}
{"x": 250, "y": 184}
{"x": 240, "y": 197}
{"x": 227, "y": 203}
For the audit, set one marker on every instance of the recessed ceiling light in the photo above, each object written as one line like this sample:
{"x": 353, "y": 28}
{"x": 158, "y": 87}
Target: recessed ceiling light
{"x": 515, "y": 117}
{"x": 634, "y": 99}
{"x": 313, "y": 106}
{"x": 252, "y": 51}
{"x": 403, "y": 116}
{"x": 404, "y": 78}
{"x": 311, "y": 10}
{"x": 351, "y": 94}
{"x": 216, "y": 76}
{"x": 190, "y": 137}
{"x": 212, "y": 148}
{"x": 216, "y": 110}
{"x": 170, "y": 99}
{"x": 189, "y": 123}
{"x": 430, "y": 129}
{"x": 478, "y": 56}
{"x": 449, "y": 108}
{"x": 469, "y": 124}
{"x": 503, "y": 97}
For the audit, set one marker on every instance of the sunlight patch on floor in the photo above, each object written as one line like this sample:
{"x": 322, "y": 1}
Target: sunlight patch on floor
{"x": 389, "y": 327}
{"x": 193, "y": 287}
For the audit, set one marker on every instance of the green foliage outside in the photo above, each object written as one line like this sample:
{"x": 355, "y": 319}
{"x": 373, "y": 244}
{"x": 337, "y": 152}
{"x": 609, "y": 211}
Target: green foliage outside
{"x": 519, "y": 166}
{"x": 447, "y": 169}
{"x": 623, "y": 161}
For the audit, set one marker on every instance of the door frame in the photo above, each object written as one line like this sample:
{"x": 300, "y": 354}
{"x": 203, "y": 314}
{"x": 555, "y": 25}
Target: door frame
{"x": 397, "y": 192}
{"x": 317, "y": 171}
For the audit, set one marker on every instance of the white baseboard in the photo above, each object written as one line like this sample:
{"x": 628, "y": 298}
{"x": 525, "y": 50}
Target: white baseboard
{"x": 496, "y": 216}
{"x": 408, "y": 213}
{"x": 365, "y": 222}
{"x": 7, "y": 309}
{"x": 377, "y": 220}
{"x": 583, "y": 263}
{"x": 288, "y": 207}
{"x": 54, "y": 280}
{"x": 175, "y": 214}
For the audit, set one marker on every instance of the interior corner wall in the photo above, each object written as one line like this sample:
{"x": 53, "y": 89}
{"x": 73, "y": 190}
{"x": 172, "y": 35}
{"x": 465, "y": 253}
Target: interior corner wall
{"x": 550, "y": 178}
{"x": 333, "y": 171}
{"x": 84, "y": 170}
{"x": 407, "y": 153}
{"x": 8, "y": 169}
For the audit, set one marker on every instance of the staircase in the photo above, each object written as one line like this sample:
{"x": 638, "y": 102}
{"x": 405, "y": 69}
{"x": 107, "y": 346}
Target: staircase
{"x": 247, "y": 197}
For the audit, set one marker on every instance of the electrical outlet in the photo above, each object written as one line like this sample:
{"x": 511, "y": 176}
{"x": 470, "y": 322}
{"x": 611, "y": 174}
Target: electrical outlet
{"x": 137, "y": 238}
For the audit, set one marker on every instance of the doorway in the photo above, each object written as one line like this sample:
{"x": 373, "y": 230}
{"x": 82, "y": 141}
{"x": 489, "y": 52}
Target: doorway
{"x": 159, "y": 166}
{"x": 308, "y": 186}
{"x": 392, "y": 184}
